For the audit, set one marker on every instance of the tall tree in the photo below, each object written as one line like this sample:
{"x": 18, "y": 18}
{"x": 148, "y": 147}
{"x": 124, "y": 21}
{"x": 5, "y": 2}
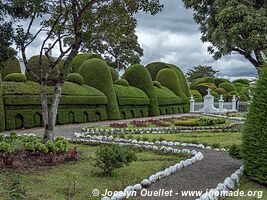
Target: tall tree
{"x": 200, "y": 72}
{"x": 233, "y": 26}
{"x": 67, "y": 24}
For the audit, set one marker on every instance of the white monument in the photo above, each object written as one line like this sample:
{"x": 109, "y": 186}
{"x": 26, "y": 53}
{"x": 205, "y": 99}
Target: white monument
{"x": 209, "y": 104}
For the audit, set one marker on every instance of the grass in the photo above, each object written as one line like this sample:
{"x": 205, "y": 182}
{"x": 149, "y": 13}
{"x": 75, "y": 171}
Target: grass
{"x": 55, "y": 182}
{"x": 225, "y": 139}
{"x": 247, "y": 185}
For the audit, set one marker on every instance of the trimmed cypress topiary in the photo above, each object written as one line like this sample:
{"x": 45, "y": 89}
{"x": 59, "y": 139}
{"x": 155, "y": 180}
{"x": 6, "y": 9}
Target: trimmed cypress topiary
{"x": 2, "y": 111}
{"x": 220, "y": 91}
{"x": 138, "y": 76}
{"x": 155, "y": 67}
{"x": 229, "y": 87}
{"x": 197, "y": 96}
{"x": 15, "y": 77}
{"x": 121, "y": 82}
{"x": 78, "y": 60}
{"x": 157, "y": 84}
{"x": 96, "y": 74}
{"x": 218, "y": 81}
{"x": 75, "y": 78}
{"x": 114, "y": 74}
{"x": 10, "y": 66}
{"x": 203, "y": 87}
{"x": 201, "y": 80}
{"x": 254, "y": 147}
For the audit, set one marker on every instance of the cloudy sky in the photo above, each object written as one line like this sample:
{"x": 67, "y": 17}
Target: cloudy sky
{"x": 172, "y": 36}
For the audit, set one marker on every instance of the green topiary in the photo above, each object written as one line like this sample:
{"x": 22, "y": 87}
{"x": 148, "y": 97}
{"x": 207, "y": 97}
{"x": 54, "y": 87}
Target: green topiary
{"x": 121, "y": 82}
{"x": 78, "y": 60}
{"x": 201, "y": 80}
{"x": 239, "y": 87}
{"x": 218, "y": 81}
{"x": 157, "y": 84}
{"x": 215, "y": 95}
{"x": 2, "y": 110}
{"x": 155, "y": 67}
{"x": 15, "y": 77}
{"x": 10, "y": 66}
{"x": 220, "y": 91}
{"x": 138, "y": 76}
{"x": 230, "y": 95}
{"x": 229, "y": 87}
{"x": 243, "y": 97}
{"x": 197, "y": 96}
{"x": 203, "y": 88}
{"x": 96, "y": 73}
{"x": 254, "y": 147}
{"x": 75, "y": 78}
{"x": 114, "y": 74}
{"x": 242, "y": 81}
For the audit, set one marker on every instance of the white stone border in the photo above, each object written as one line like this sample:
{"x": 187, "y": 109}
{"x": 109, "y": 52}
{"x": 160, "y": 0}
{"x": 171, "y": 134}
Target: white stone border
{"x": 228, "y": 185}
{"x": 197, "y": 156}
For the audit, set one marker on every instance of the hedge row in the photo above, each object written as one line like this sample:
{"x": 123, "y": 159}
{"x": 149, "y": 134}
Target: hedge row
{"x": 10, "y": 66}
{"x": 127, "y": 112}
{"x": 2, "y": 111}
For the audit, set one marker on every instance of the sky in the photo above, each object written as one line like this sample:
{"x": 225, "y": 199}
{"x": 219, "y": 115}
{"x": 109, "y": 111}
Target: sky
{"x": 172, "y": 36}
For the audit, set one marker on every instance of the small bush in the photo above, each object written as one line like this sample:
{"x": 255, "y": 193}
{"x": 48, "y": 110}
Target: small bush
{"x": 218, "y": 81}
{"x": 201, "y": 80}
{"x": 121, "y": 82}
{"x": 15, "y": 77}
{"x": 242, "y": 81}
{"x": 209, "y": 121}
{"x": 197, "y": 96}
{"x": 220, "y": 91}
{"x": 229, "y": 87}
{"x": 157, "y": 84}
{"x": 75, "y": 78}
{"x": 188, "y": 122}
{"x": 203, "y": 87}
{"x": 109, "y": 158}
{"x": 114, "y": 74}
{"x": 235, "y": 151}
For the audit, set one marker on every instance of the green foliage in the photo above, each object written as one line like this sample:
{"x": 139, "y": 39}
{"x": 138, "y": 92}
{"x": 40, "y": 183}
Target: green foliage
{"x": 243, "y": 97}
{"x": 220, "y": 91}
{"x": 111, "y": 157}
{"x": 114, "y": 74}
{"x": 238, "y": 87}
{"x": 230, "y": 95}
{"x": 209, "y": 121}
{"x": 218, "y": 81}
{"x": 155, "y": 67}
{"x": 229, "y": 87}
{"x": 15, "y": 190}
{"x": 187, "y": 122}
{"x": 215, "y": 95}
{"x": 15, "y": 77}
{"x": 2, "y": 110}
{"x": 197, "y": 96}
{"x": 222, "y": 22}
{"x": 75, "y": 78}
{"x": 235, "y": 151}
{"x": 254, "y": 147}
{"x": 200, "y": 72}
{"x": 96, "y": 73}
{"x": 10, "y": 66}
{"x": 242, "y": 81}
{"x": 198, "y": 81}
{"x": 121, "y": 82}
{"x": 157, "y": 84}
{"x": 203, "y": 87}
{"x": 166, "y": 97}
{"x": 138, "y": 76}
{"x": 78, "y": 60}
{"x": 5, "y": 147}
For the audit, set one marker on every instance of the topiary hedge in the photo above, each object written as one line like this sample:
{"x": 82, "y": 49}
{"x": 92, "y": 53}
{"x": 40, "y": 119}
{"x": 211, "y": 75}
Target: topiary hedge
{"x": 203, "y": 88}
{"x": 218, "y": 81}
{"x": 96, "y": 73}
{"x": 156, "y": 84}
{"x": 15, "y": 77}
{"x": 75, "y": 78}
{"x": 229, "y": 87}
{"x": 10, "y": 66}
{"x": 242, "y": 81}
{"x": 78, "y": 60}
{"x": 254, "y": 147}
{"x": 138, "y": 76}
{"x": 155, "y": 67}
{"x": 197, "y": 96}
{"x": 121, "y": 82}
{"x": 2, "y": 110}
{"x": 166, "y": 97}
{"x": 220, "y": 91}
{"x": 198, "y": 81}
{"x": 114, "y": 74}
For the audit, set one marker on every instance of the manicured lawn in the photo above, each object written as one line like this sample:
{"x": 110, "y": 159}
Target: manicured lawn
{"x": 55, "y": 183}
{"x": 225, "y": 139}
{"x": 247, "y": 185}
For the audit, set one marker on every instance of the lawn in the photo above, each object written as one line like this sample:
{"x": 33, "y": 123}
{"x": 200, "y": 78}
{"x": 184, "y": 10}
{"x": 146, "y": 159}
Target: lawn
{"x": 56, "y": 183}
{"x": 224, "y": 139}
{"x": 247, "y": 185}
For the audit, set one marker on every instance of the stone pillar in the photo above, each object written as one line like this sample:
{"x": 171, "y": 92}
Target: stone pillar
{"x": 192, "y": 104}
{"x": 221, "y": 101}
{"x": 234, "y": 103}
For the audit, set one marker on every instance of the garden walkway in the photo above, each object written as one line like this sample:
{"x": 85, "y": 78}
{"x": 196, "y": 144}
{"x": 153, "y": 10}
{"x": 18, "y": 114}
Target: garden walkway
{"x": 203, "y": 175}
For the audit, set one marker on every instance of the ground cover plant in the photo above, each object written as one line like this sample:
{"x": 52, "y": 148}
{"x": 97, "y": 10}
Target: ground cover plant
{"x": 76, "y": 180}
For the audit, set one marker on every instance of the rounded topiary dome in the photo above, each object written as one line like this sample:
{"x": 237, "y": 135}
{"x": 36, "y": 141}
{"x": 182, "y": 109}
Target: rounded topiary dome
{"x": 155, "y": 67}
{"x": 15, "y": 77}
{"x": 157, "y": 84}
{"x": 10, "y": 66}
{"x": 75, "y": 78}
{"x": 197, "y": 96}
{"x": 121, "y": 82}
{"x": 114, "y": 74}
{"x": 138, "y": 76}
{"x": 96, "y": 73}
{"x": 78, "y": 60}
{"x": 229, "y": 87}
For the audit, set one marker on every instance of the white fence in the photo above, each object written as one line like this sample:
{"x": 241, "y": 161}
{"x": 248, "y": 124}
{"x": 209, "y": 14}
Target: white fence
{"x": 241, "y": 106}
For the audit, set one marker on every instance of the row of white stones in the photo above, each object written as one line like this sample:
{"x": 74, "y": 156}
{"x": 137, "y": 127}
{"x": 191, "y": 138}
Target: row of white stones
{"x": 225, "y": 117}
{"x": 222, "y": 188}
{"x": 164, "y": 143}
{"x": 197, "y": 156}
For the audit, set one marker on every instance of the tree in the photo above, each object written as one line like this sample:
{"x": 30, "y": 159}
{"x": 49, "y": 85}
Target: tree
{"x": 233, "y": 26}
{"x": 254, "y": 147}
{"x": 67, "y": 25}
{"x": 200, "y": 72}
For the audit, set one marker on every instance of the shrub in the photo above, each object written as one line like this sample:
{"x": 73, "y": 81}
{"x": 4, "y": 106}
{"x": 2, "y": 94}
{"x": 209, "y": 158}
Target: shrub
{"x": 243, "y": 97}
{"x": 218, "y": 81}
{"x": 197, "y": 96}
{"x": 157, "y": 84}
{"x": 203, "y": 88}
{"x": 208, "y": 121}
{"x": 235, "y": 151}
{"x": 121, "y": 82}
{"x": 238, "y": 87}
{"x": 15, "y": 77}
{"x": 155, "y": 67}
{"x": 201, "y": 80}
{"x": 254, "y": 147}
{"x": 188, "y": 122}
{"x": 75, "y": 78}
{"x": 10, "y": 66}
{"x": 111, "y": 157}
{"x": 230, "y": 95}
{"x": 2, "y": 110}
{"x": 78, "y": 60}
{"x": 138, "y": 76}
{"x": 114, "y": 74}
{"x": 229, "y": 87}
{"x": 220, "y": 91}
{"x": 242, "y": 81}
{"x": 96, "y": 74}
